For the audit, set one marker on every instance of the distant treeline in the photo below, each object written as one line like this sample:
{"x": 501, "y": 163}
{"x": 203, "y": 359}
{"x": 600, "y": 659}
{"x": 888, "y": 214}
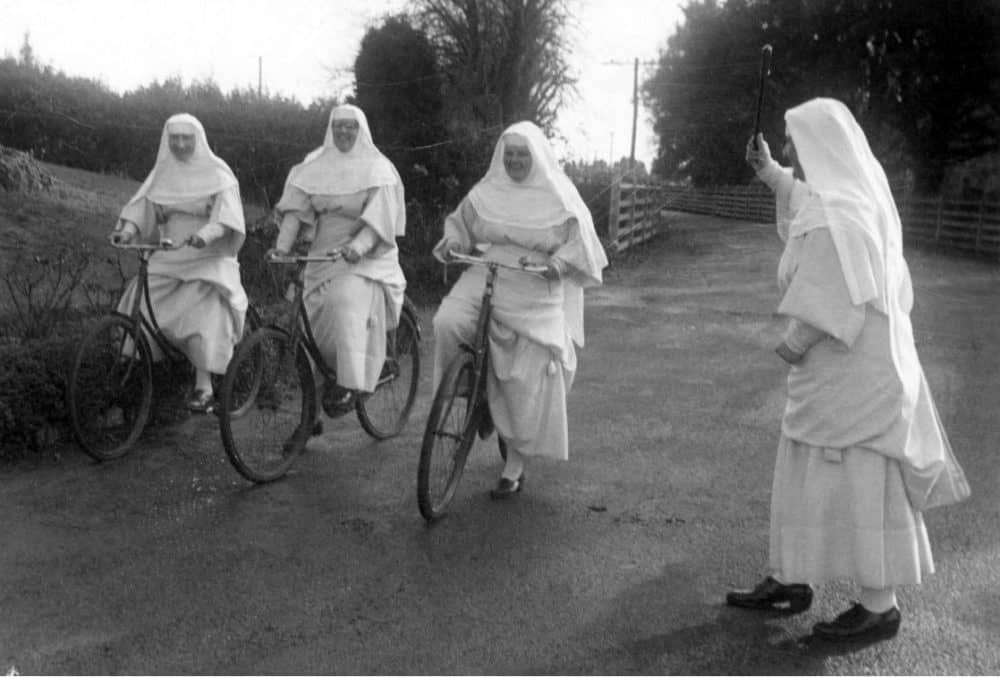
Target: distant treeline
{"x": 81, "y": 123}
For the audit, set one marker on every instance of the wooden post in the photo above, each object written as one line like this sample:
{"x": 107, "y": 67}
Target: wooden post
{"x": 613, "y": 212}
{"x": 635, "y": 197}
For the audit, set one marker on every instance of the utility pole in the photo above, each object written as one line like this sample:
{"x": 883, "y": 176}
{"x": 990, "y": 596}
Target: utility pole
{"x": 260, "y": 76}
{"x": 635, "y": 102}
{"x": 611, "y": 151}
{"x": 635, "y": 112}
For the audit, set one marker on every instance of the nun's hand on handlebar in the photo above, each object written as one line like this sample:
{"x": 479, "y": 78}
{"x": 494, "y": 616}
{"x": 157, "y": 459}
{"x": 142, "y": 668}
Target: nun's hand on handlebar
{"x": 758, "y": 156}
{"x": 350, "y": 254}
{"x": 787, "y": 354}
{"x": 121, "y": 237}
{"x": 447, "y": 247}
{"x": 195, "y": 241}
{"x": 553, "y": 266}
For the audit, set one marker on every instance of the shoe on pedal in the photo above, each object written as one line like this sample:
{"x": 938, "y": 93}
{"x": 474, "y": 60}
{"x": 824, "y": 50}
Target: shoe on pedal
{"x": 337, "y": 400}
{"x": 201, "y": 401}
{"x": 770, "y": 595}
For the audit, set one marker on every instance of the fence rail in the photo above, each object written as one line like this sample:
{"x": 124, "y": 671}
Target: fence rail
{"x": 636, "y": 214}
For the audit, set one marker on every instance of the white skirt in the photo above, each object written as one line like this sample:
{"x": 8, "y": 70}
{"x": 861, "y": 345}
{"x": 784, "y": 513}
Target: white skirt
{"x": 844, "y": 514}
{"x": 347, "y": 315}
{"x": 194, "y": 316}
{"x": 526, "y": 387}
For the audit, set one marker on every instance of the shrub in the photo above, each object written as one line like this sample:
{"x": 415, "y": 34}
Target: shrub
{"x": 32, "y": 391}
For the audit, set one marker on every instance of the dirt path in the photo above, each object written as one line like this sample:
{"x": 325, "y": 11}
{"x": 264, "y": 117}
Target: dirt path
{"x": 616, "y": 562}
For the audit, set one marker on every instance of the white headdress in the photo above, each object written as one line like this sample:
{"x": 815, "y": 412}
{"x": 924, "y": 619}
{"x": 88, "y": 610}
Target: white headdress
{"x": 850, "y": 196}
{"x": 544, "y": 198}
{"x": 173, "y": 181}
{"x": 330, "y": 171}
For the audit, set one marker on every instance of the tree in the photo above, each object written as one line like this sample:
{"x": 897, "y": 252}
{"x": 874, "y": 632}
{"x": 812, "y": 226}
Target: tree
{"x": 27, "y": 52}
{"x": 503, "y": 60}
{"x": 398, "y": 85}
{"x": 922, "y": 80}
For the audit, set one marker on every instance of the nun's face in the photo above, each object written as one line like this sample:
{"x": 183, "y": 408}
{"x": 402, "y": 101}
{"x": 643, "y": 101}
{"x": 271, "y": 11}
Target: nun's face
{"x": 181, "y": 145}
{"x": 517, "y": 158}
{"x": 345, "y": 134}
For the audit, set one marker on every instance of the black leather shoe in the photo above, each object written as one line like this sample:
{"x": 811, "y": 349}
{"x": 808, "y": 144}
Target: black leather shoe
{"x": 506, "y": 487}
{"x": 858, "y": 624}
{"x": 337, "y": 400}
{"x": 770, "y": 595}
{"x": 201, "y": 402}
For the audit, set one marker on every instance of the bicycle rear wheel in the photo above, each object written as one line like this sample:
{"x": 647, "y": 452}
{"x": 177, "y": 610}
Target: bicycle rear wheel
{"x": 448, "y": 437}
{"x": 110, "y": 389}
{"x": 263, "y": 443}
{"x": 384, "y": 413}
{"x": 247, "y": 381}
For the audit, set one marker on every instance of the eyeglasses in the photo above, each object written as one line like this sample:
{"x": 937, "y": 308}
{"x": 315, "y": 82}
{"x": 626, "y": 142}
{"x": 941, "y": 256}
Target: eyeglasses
{"x": 345, "y": 125}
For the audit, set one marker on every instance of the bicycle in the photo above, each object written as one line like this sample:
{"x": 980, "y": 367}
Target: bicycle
{"x": 110, "y": 393}
{"x": 460, "y": 410}
{"x": 264, "y": 443}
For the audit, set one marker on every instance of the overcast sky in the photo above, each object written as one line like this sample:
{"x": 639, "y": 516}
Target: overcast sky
{"x": 308, "y": 46}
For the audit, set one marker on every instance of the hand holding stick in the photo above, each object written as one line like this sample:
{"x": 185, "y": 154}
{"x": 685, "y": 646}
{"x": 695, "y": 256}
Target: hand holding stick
{"x": 765, "y": 70}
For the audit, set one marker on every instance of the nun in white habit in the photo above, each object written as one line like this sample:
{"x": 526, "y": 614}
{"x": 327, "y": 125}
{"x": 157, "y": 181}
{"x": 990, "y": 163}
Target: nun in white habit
{"x": 191, "y": 197}
{"x": 346, "y": 195}
{"x": 862, "y": 452}
{"x": 525, "y": 210}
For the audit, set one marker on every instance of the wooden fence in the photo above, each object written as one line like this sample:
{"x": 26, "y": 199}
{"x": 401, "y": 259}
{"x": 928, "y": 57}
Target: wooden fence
{"x": 636, "y": 214}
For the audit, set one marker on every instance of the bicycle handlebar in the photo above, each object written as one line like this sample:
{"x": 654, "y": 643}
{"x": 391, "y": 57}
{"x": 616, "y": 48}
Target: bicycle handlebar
{"x": 455, "y": 257}
{"x": 334, "y": 255}
{"x": 162, "y": 245}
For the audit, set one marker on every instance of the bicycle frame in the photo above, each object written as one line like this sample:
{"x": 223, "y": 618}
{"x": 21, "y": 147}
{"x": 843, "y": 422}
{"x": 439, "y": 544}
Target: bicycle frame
{"x": 147, "y": 321}
{"x": 448, "y": 438}
{"x": 480, "y": 344}
{"x": 298, "y": 327}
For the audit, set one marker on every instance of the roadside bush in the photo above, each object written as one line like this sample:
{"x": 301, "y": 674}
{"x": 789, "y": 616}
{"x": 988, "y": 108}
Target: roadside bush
{"x": 41, "y": 291}
{"x": 32, "y": 392}
{"x": 425, "y": 281}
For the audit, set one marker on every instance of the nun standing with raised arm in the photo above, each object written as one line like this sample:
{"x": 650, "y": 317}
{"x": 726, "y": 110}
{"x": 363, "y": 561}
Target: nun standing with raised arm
{"x": 862, "y": 452}
{"x": 347, "y": 196}
{"x": 524, "y": 211}
{"x": 191, "y": 197}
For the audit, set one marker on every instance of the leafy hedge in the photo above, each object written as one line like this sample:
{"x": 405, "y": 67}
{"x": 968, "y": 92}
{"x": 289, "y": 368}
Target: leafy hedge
{"x": 32, "y": 395}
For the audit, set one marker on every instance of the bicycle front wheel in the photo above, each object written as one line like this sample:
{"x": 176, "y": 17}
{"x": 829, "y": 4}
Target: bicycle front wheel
{"x": 448, "y": 437}
{"x": 110, "y": 389}
{"x": 272, "y": 431}
{"x": 384, "y": 413}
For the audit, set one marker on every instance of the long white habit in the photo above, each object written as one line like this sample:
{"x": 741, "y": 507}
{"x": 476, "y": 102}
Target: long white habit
{"x": 536, "y": 322}
{"x": 197, "y": 296}
{"x": 862, "y": 451}
{"x": 337, "y": 199}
